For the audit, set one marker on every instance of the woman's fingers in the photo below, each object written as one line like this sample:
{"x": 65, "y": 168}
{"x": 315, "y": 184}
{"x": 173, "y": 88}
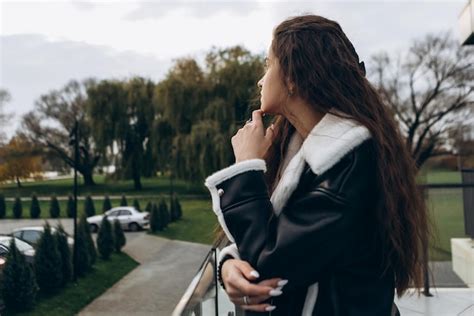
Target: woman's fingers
{"x": 258, "y": 308}
{"x": 240, "y": 287}
{"x": 247, "y": 270}
{"x": 238, "y": 275}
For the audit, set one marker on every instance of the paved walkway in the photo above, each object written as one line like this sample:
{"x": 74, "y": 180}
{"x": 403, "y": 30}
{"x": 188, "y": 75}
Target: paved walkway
{"x": 156, "y": 285}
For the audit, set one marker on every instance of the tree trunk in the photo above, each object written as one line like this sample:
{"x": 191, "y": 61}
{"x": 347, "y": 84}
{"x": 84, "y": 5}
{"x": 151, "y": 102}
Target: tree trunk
{"x": 18, "y": 183}
{"x": 136, "y": 180}
{"x": 88, "y": 178}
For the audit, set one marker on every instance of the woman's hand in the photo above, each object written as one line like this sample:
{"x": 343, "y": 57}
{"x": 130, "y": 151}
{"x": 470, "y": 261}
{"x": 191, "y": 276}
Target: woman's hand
{"x": 236, "y": 275}
{"x": 252, "y": 141}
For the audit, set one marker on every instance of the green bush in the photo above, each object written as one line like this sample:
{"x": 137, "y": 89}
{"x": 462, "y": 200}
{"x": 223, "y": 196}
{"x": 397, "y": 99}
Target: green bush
{"x": 164, "y": 214}
{"x": 155, "y": 224}
{"x": 123, "y": 201}
{"x": 89, "y": 208}
{"x": 54, "y": 208}
{"x": 136, "y": 205}
{"x": 90, "y": 242}
{"x": 175, "y": 212}
{"x": 70, "y": 207}
{"x": 119, "y": 240}
{"x": 35, "y": 209}
{"x": 149, "y": 207}
{"x": 83, "y": 260}
{"x": 105, "y": 239}
{"x": 48, "y": 268}
{"x": 17, "y": 208}
{"x": 3, "y": 206}
{"x": 65, "y": 253}
{"x": 18, "y": 286}
{"x": 107, "y": 205}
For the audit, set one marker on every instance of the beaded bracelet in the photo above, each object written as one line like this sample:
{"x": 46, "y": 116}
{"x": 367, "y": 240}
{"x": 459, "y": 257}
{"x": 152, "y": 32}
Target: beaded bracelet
{"x": 219, "y": 269}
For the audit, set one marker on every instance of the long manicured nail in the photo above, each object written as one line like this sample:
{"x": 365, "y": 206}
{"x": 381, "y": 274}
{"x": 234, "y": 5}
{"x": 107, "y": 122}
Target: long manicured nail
{"x": 275, "y": 292}
{"x": 255, "y": 274}
{"x": 270, "y": 308}
{"x": 282, "y": 282}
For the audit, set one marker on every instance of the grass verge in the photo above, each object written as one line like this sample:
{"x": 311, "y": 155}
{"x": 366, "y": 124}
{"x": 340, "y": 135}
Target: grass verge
{"x": 75, "y": 296}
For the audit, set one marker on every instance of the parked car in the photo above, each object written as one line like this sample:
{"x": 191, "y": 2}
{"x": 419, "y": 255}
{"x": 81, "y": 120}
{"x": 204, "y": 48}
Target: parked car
{"x": 129, "y": 217}
{"x": 25, "y": 249}
{"x": 32, "y": 235}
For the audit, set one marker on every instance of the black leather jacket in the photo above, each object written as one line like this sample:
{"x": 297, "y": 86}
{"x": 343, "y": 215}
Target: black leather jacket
{"x": 325, "y": 234}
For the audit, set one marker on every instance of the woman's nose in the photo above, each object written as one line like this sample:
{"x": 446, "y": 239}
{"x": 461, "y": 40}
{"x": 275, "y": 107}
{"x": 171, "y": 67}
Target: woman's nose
{"x": 260, "y": 83}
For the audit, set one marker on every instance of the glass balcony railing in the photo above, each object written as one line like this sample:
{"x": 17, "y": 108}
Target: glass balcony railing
{"x": 204, "y": 295}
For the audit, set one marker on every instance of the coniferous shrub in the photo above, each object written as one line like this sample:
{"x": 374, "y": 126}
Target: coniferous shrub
{"x": 17, "y": 208}
{"x": 90, "y": 241}
{"x": 105, "y": 239}
{"x": 18, "y": 286}
{"x": 35, "y": 209}
{"x": 83, "y": 260}
{"x": 107, "y": 205}
{"x": 155, "y": 219}
{"x": 70, "y": 207}
{"x": 48, "y": 268}
{"x": 119, "y": 236}
{"x": 136, "y": 205}
{"x": 65, "y": 253}
{"x": 164, "y": 215}
{"x": 3, "y": 206}
{"x": 149, "y": 207}
{"x": 54, "y": 208}
{"x": 123, "y": 201}
{"x": 89, "y": 208}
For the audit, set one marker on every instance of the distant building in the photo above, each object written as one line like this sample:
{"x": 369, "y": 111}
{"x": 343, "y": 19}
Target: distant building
{"x": 466, "y": 24}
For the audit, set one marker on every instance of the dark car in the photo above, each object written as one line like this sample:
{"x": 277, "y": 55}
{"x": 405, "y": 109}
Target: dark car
{"x": 32, "y": 235}
{"x": 25, "y": 249}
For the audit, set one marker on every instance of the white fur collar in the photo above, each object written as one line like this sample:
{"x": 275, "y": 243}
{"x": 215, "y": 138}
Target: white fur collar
{"x": 329, "y": 140}
{"x": 327, "y": 143}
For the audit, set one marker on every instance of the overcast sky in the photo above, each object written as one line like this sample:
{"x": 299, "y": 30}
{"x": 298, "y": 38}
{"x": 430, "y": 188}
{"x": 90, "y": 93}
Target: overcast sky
{"x": 44, "y": 44}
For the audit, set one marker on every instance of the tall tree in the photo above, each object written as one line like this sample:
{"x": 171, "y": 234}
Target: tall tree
{"x": 53, "y": 119}
{"x": 233, "y": 74}
{"x": 181, "y": 95}
{"x": 122, "y": 116}
{"x": 430, "y": 90}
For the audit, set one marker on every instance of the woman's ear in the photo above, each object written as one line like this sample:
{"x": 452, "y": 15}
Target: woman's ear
{"x": 291, "y": 88}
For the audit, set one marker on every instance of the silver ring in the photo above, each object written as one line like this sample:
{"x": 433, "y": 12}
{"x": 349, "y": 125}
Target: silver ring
{"x": 249, "y": 120}
{"x": 246, "y": 300}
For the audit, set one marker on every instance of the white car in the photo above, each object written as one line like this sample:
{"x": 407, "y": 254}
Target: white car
{"x": 33, "y": 234}
{"x": 128, "y": 216}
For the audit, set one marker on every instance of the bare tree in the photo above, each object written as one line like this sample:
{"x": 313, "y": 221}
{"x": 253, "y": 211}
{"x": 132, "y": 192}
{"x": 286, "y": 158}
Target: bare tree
{"x": 52, "y": 120}
{"x": 430, "y": 90}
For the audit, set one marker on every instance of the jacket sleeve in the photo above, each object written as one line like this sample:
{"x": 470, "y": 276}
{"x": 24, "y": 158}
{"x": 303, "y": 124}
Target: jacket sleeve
{"x": 300, "y": 244}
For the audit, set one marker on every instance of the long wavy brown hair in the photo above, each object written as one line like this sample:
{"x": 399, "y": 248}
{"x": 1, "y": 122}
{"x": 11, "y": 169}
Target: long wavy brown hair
{"x": 314, "y": 53}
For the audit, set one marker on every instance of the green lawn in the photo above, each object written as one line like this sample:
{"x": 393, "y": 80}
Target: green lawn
{"x": 440, "y": 176}
{"x": 151, "y": 186}
{"x": 446, "y": 213}
{"x": 44, "y": 205}
{"x": 75, "y": 296}
{"x": 196, "y": 225}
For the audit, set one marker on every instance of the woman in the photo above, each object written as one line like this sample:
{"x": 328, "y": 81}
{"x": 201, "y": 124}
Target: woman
{"x": 321, "y": 208}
